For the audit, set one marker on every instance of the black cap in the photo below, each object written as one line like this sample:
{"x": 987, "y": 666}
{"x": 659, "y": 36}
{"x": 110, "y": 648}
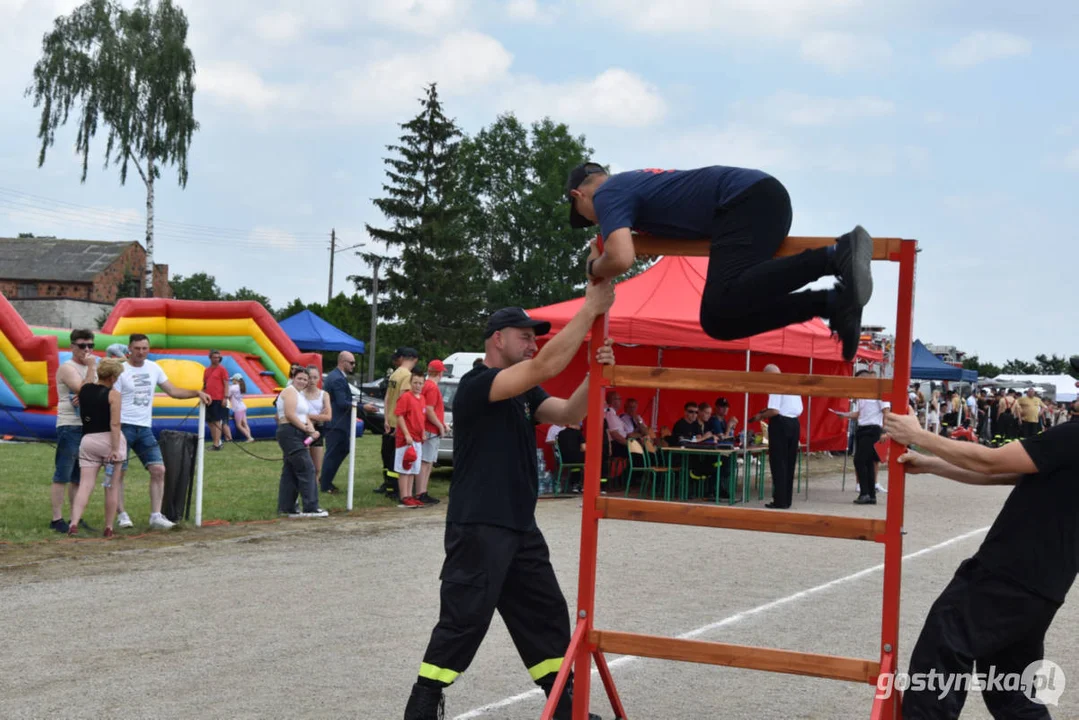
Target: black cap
{"x": 406, "y": 352}
{"x": 514, "y": 317}
{"x": 576, "y": 177}
{"x": 722, "y": 402}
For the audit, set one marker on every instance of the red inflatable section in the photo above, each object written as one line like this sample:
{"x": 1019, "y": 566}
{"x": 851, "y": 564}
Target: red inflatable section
{"x": 31, "y": 347}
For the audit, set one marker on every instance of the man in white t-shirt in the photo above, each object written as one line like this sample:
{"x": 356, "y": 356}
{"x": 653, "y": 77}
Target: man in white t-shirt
{"x": 870, "y": 416}
{"x": 136, "y": 386}
{"x": 783, "y": 431}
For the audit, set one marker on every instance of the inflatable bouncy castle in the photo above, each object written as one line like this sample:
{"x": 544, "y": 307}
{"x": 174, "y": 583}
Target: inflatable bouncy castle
{"x": 181, "y": 332}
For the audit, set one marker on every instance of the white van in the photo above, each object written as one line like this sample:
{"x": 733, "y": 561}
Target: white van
{"x": 458, "y": 364}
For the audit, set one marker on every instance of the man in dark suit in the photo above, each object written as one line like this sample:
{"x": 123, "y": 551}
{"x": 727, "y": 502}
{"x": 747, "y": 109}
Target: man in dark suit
{"x": 337, "y": 430}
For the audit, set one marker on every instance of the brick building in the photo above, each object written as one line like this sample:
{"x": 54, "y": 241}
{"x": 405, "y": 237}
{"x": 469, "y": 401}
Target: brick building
{"x": 88, "y": 270}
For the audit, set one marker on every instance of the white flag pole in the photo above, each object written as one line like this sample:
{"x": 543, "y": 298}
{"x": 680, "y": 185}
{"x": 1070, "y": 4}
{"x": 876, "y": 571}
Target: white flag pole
{"x": 351, "y": 454}
{"x": 200, "y": 456}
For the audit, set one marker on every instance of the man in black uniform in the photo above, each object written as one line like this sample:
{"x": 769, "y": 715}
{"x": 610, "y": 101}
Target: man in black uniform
{"x": 747, "y": 214}
{"x": 997, "y": 608}
{"x": 496, "y": 557}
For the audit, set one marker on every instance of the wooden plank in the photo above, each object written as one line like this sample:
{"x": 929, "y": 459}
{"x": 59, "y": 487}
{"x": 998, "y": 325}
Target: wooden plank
{"x": 742, "y": 656}
{"x": 753, "y": 382}
{"x": 883, "y": 248}
{"x": 736, "y": 518}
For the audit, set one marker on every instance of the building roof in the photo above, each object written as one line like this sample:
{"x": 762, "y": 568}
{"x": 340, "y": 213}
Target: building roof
{"x": 57, "y": 260}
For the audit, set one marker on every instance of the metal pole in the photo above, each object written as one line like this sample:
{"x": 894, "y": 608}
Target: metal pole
{"x": 351, "y": 454}
{"x": 333, "y": 251}
{"x": 745, "y": 431}
{"x": 200, "y": 456}
{"x": 809, "y": 419}
{"x": 655, "y": 399}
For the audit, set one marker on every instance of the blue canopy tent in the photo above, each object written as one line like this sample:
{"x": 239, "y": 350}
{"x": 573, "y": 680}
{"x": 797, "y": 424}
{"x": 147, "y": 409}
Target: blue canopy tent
{"x": 312, "y": 333}
{"x": 924, "y": 365}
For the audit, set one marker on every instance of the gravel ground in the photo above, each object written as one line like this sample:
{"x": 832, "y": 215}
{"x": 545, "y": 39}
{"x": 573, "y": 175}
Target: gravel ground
{"x": 329, "y": 619}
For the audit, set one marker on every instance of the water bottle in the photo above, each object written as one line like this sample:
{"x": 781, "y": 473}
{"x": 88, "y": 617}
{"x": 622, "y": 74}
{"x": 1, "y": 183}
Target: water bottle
{"x": 308, "y": 440}
{"x": 545, "y": 480}
{"x": 109, "y": 470}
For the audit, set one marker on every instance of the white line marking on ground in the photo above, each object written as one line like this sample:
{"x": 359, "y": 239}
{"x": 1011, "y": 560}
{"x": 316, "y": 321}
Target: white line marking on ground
{"x": 731, "y": 620}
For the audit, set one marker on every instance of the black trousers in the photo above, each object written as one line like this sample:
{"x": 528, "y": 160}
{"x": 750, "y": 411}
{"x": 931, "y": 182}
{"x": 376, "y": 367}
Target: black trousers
{"x": 1029, "y": 429}
{"x": 490, "y": 568}
{"x": 748, "y": 291}
{"x": 389, "y": 449}
{"x": 984, "y": 620}
{"x": 782, "y": 455}
{"x": 866, "y": 459}
{"x": 336, "y": 452}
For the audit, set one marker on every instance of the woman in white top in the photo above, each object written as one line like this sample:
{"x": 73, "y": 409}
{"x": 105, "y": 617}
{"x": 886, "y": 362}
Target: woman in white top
{"x": 932, "y": 418}
{"x": 319, "y": 412}
{"x": 237, "y": 388}
{"x": 293, "y": 430}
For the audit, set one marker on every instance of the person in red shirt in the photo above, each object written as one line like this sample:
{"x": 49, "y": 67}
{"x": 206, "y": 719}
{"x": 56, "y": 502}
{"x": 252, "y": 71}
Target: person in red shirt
{"x": 434, "y": 428}
{"x": 410, "y": 417}
{"x": 215, "y": 382}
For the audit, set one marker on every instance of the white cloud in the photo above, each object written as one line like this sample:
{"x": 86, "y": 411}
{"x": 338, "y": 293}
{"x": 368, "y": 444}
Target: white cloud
{"x": 278, "y": 27}
{"x": 614, "y": 98}
{"x": 803, "y": 110}
{"x": 235, "y": 83}
{"x": 530, "y": 11}
{"x": 419, "y": 16}
{"x": 934, "y": 117}
{"x": 463, "y": 63}
{"x": 768, "y": 18}
{"x": 1071, "y": 160}
{"x": 983, "y": 46}
{"x": 840, "y": 51}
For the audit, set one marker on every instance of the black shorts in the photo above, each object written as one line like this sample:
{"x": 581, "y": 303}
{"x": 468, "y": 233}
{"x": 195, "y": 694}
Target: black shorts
{"x": 321, "y": 435}
{"x": 217, "y": 412}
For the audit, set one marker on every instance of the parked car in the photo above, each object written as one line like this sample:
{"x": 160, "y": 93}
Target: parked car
{"x": 374, "y": 394}
{"x": 448, "y": 388}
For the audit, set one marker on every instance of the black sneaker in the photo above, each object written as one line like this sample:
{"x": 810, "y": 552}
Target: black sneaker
{"x": 846, "y": 322}
{"x": 564, "y": 710}
{"x": 428, "y": 500}
{"x": 425, "y": 703}
{"x": 60, "y": 526}
{"x": 852, "y": 264}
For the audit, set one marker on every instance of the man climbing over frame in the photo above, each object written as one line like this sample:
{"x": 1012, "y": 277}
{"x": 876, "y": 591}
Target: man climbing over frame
{"x": 747, "y": 215}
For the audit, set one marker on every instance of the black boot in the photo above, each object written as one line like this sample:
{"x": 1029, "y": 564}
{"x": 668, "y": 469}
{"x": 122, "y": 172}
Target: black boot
{"x": 425, "y": 703}
{"x": 564, "y": 710}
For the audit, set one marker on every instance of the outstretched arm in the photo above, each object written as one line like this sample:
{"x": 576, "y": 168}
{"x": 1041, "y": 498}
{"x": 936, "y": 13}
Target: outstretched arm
{"x": 617, "y": 257}
{"x": 571, "y": 410}
{"x": 1007, "y": 459}
{"x": 916, "y": 463}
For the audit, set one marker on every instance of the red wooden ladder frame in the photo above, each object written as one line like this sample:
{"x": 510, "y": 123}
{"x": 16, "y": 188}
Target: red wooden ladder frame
{"x": 588, "y": 643}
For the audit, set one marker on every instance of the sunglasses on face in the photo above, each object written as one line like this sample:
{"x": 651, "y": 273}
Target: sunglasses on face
{"x": 85, "y": 346}
{"x": 691, "y": 412}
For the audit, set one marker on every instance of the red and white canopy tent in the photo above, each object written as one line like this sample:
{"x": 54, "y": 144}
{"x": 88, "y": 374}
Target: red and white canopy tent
{"x": 655, "y": 322}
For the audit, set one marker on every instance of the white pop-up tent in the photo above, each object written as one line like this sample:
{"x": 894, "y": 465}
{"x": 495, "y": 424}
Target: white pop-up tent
{"x": 1064, "y": 384}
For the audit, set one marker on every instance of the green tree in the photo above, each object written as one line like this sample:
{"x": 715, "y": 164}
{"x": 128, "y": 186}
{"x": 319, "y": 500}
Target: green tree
{"x": 1053, "y": 365}
{"x": 131, "y": 70}
{"x": 245, "y": 293}
{"x": 984, "y": 369}
{"x": 198, "y": 286}
{"x": 1015, "y": 366}
{"x": 516, "y": 176}
{"x": 436, "y": 294}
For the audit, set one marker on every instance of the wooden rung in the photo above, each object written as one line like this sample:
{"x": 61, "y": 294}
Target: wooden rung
{"x": 732, "y": 518}
{"x": 742, "y": 656}
{"x": 753, "y": 382}
{"x": 883, "y": 248}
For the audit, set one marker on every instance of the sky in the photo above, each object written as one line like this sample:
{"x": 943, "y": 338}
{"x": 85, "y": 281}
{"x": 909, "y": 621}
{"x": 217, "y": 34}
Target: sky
{"x": 951, "y": 122}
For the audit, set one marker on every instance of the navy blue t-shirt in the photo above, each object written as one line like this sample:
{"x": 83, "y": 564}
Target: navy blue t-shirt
{"x": 495, "y": 474}
{"x": 670, "y": 203}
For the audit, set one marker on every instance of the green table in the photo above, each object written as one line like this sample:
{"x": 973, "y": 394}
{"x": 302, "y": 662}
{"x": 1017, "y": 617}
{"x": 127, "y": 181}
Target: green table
{"x": 719, "y": 453}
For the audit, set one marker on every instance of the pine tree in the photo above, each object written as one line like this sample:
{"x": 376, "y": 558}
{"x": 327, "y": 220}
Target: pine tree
{"x": 435, "y": 293}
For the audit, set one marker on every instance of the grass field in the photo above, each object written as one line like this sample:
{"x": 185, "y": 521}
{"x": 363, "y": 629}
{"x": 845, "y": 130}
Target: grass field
{"x": 237, "y": 488}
